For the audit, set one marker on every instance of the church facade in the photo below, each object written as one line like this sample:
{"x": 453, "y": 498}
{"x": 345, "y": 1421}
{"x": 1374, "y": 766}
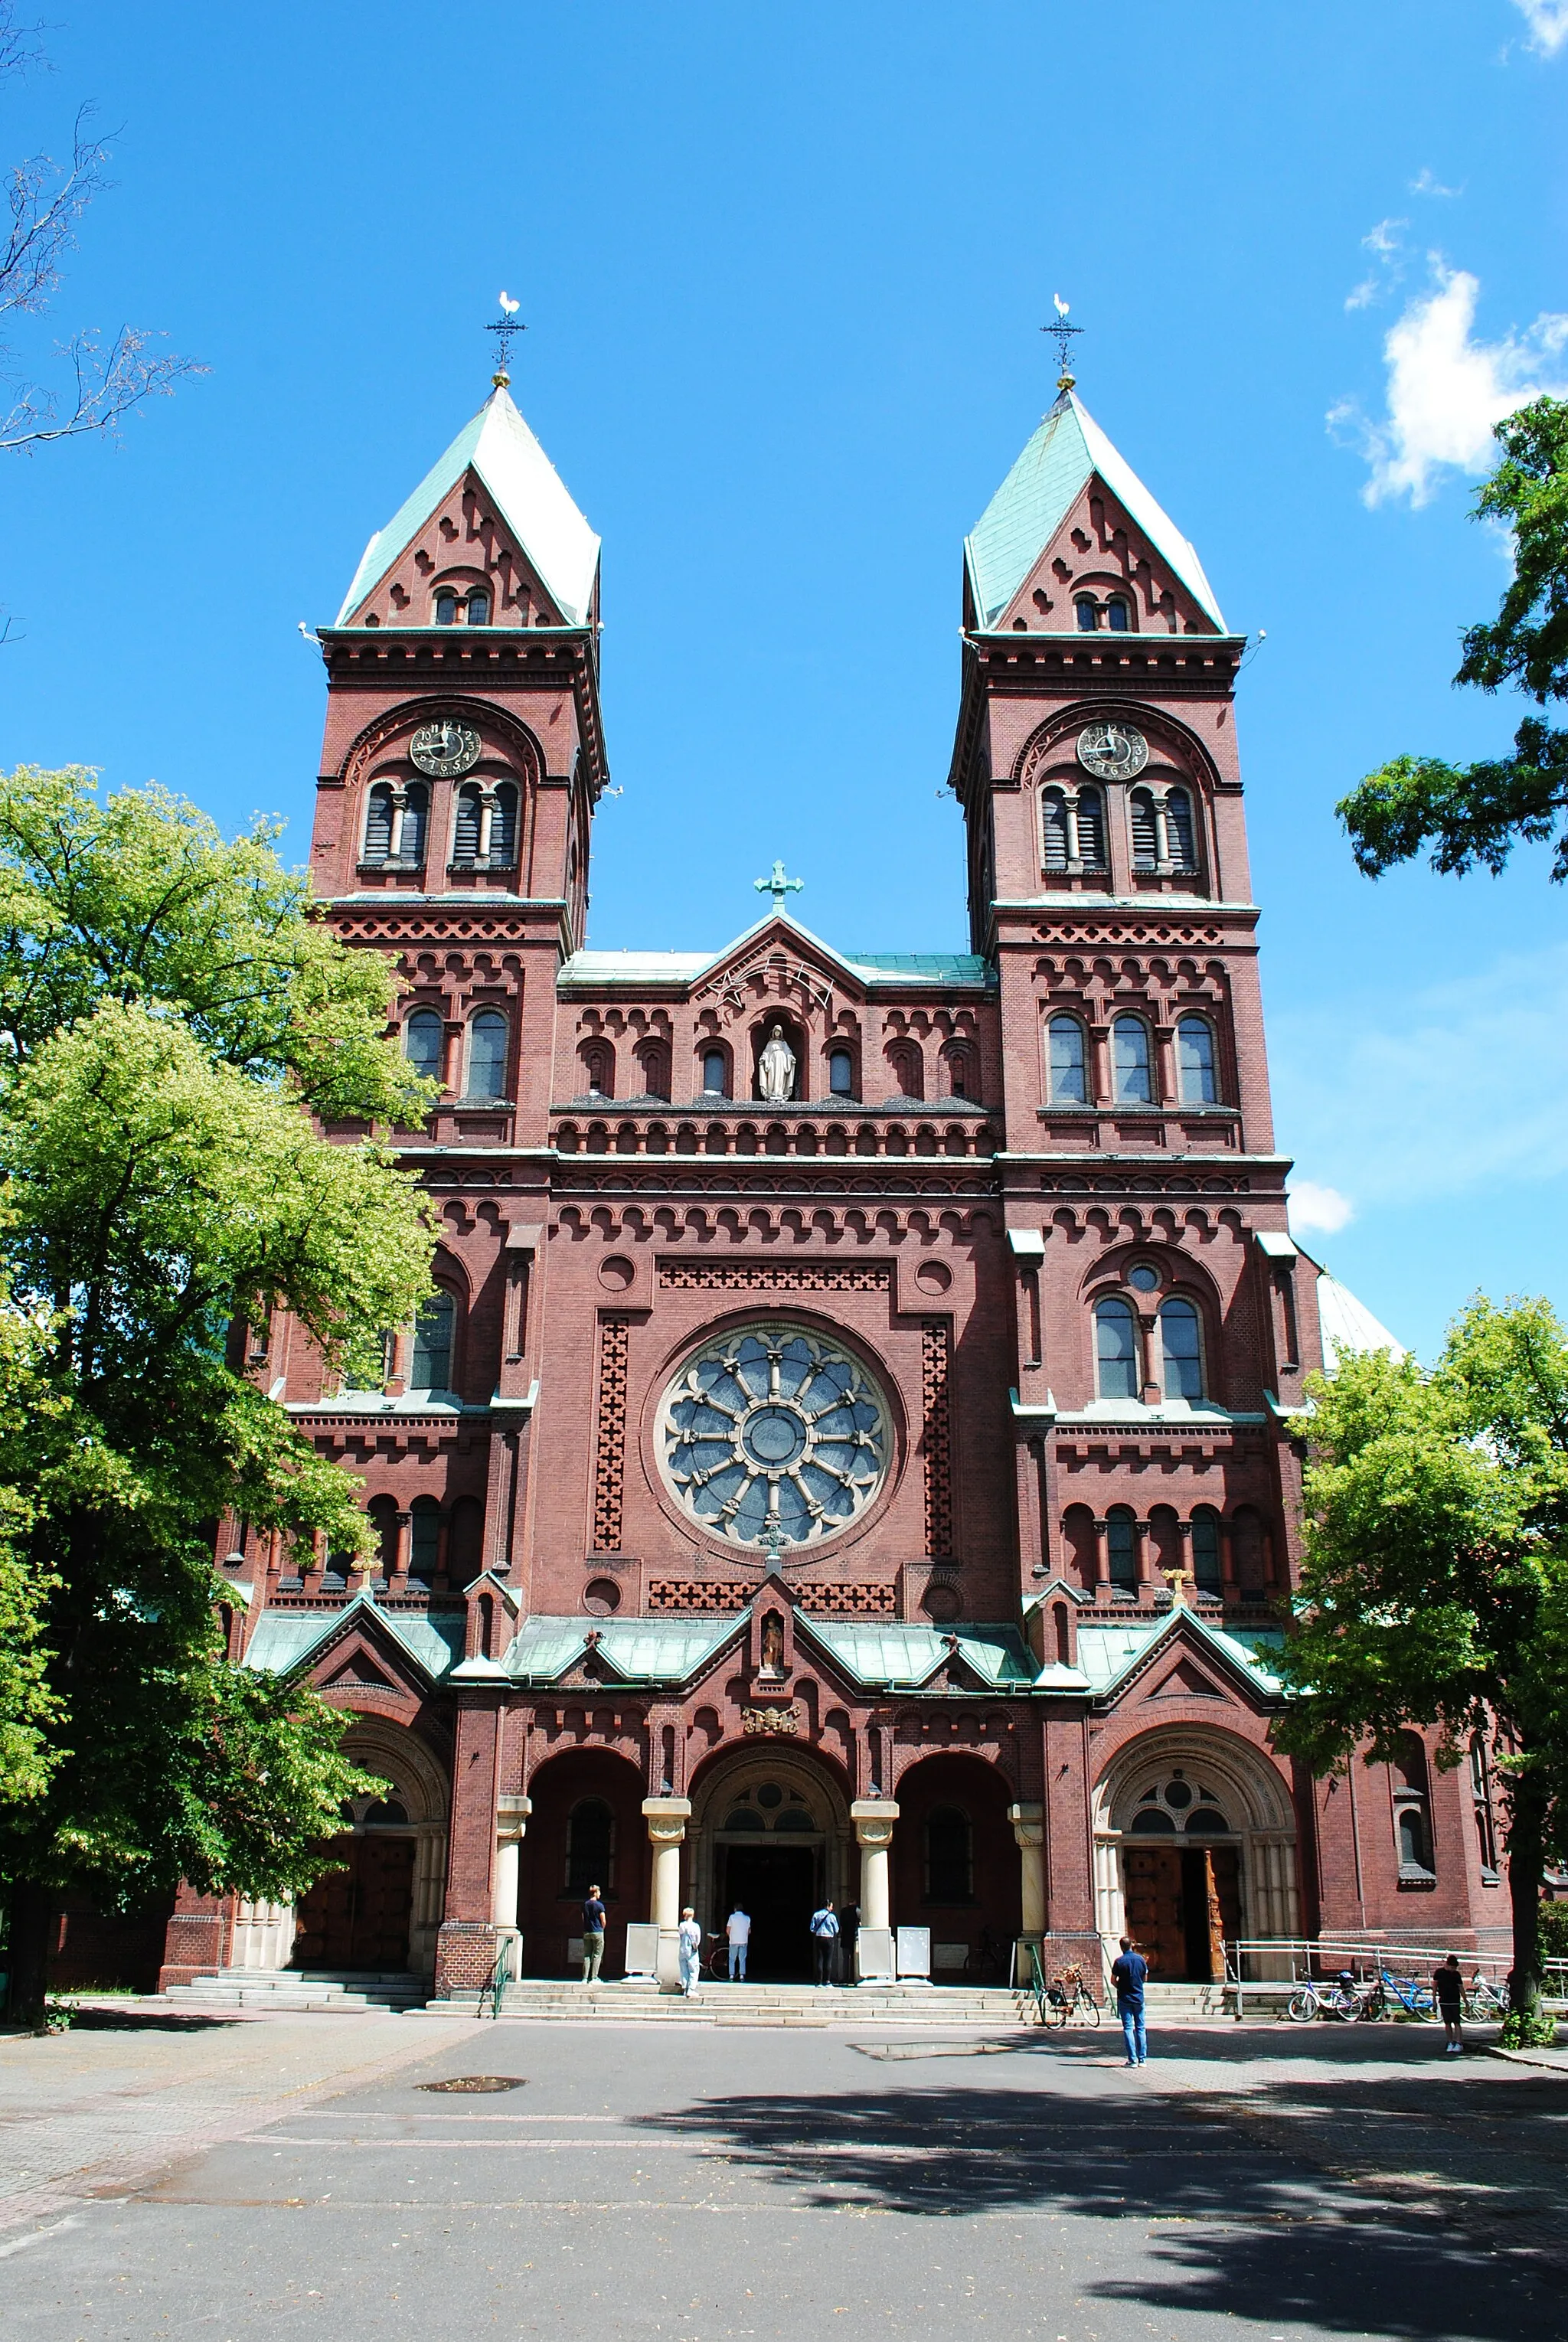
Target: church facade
{"x": 853, "y": 1449}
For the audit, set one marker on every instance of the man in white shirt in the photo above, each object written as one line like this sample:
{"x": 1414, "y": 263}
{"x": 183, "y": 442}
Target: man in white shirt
{"x": 738, "y": 1928}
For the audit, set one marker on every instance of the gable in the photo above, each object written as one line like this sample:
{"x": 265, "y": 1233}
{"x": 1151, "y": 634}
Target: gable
{"x": 1099, "y": 548}
{"x": 1186, "y": 1680}
{"x": 464, "y": 541}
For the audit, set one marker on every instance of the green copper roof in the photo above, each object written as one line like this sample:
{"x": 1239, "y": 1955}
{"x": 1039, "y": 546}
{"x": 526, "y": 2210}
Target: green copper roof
{"x": 284, "y": 1638}
{"x": 603, "y": 968}
{"x": 530, "y": 496}
{"x": 944, "y": 968}
{"x": 877, "y": 1653}
{"x": 1107, "y": 1653}
{"x": 635, "y": 1650}
{"x": 1040, "y": 491}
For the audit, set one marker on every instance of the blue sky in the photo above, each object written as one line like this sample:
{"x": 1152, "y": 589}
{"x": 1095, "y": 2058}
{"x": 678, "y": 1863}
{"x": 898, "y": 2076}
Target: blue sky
{"x": 784, "y": 271}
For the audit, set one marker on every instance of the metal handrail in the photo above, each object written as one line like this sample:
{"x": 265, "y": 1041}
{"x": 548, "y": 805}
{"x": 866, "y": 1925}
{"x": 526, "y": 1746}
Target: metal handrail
{"x": 1312, "y": 1957}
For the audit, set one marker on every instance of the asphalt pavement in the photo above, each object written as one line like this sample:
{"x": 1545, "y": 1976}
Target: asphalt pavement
{"x": 696, "y": 2184}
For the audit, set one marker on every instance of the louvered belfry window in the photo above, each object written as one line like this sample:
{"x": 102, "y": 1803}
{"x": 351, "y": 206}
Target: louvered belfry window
{"x": 1092, "y": 829}
{"x": 1054, "y": 821}
{"x": 378, "y": 824}
{"x": 504, "y": 826}
{"x": 1146, "y": 837}
{"x": 1179, "y": 830}
{"x": 466, "y": 831}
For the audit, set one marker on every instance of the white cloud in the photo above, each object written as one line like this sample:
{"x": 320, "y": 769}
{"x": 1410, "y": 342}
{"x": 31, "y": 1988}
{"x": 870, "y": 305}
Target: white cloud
{"x": 1446, "y": 389}
{"x": 1314, "y": 1206}
{"x": 1548, "y": 23}
{"x": 1388, "y": 253}
{"x": 1426, "y": 183}
{"x": 1453, "y": 1090}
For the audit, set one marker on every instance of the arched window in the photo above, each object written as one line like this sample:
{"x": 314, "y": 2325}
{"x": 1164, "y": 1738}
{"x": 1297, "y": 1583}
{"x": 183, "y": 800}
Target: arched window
{"x": 1179, "y": 834}
{"x": 1411, "y": 1808}
{"x": 383, "y": 1512}
{"x": 423, "y": 1035}
{"x": 431, "y": 1365}
{"x": 957, "y": 1064}
{"x": 1180, "y": 1353}
{"x": 599, "y": 1069}
{"x": 378, "y": 822}
{"x": 653, "y": 1059}
{"x": 841, "y": 1072}
{"x": 1069, "y": 1071}
{"x": 949, "y": 1859}
{"x": 1146, "y": 837}
{"x": 424, "y": 1540}
{"x": 1117, "y": 1350}
{"x": 446, "y": 607}
{"x": 1130, "y": 1062}
{"x": 465, "y": 824}
{"x": 1206, "y": 1549}
{"x": 1122, "y": 1548}
{"x": 465, "y": 1540}
{"x": 907, "y": 1060}
{"x": 1087, "y": 615}
{"x": 504, "y": 826}
{"x": 590, "y": 1847}
{"x": 1117, "y": 615}
{"x": 1481, "y": 1795}
{"x": 1054, "y": 852}
{"x": 716, "y": 1074}
{"x": 479, "y": 608}
{"x": 1091, "y": 829}
{"x": 1196, "y": 1061}
{"x": 487, "y": 1056}
{"x": 408, "y": 833}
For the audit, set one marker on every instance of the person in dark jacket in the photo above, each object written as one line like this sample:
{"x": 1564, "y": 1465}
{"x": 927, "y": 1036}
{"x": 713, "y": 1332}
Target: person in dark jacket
{"x": 593, "y": 1935}
{"x": 1130, "y": 1973}
{"x": 1448, "y": 1990}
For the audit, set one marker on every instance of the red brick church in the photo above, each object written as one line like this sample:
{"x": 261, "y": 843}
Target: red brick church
{"x": 853, "y": 1449}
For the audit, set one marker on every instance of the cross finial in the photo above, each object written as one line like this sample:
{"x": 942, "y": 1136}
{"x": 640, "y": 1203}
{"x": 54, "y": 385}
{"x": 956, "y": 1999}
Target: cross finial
{"x": 773, "y": 1539}
{"x": 505, "y": 326}
{"x": 1061, "y": 334}
{"x": 778, "y": 886}
{"x": 1176, "y": 1579}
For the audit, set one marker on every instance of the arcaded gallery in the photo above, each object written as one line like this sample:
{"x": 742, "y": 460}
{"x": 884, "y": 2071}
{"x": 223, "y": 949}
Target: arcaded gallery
{"x": 853, "y": 1448}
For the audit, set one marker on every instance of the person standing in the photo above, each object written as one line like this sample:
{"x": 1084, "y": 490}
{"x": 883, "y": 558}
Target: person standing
{"x": 848, "y": 1929}
{"x": 1448, "y": 1990}
{"x": 690, "y": 1942}
{"x": 824, "y": 1942}
{"x": 1130, "y": 1973}
{"x": 738, "y": 1930}
{"x": 593, "y": 1935}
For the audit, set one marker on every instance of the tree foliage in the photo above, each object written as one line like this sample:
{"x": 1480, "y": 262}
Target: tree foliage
{"x": 1477, "y": 813}
{"x": 171, "y": 1012}
{"x": 1435, "y": 1583}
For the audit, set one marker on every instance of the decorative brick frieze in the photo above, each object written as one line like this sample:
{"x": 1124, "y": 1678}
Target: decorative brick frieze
{"x": 840, "y": 1601}
{"x": 775, "y": 1277}
{"x": 610, "y": 1463}
{"x": 694, "y": 1594}
{"x": 936, "y": 1439}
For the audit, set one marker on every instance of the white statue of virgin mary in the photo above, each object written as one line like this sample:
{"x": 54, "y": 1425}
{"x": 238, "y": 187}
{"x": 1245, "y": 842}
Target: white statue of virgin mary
{"x": 776, "y": 1067}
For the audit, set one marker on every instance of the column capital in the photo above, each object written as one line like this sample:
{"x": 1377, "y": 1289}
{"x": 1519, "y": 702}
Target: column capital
{"x": 874, "y": 1818}
{"x": 511, "y": 1818}
{"x": 1028, "y": 1824}
{"x": 666, "y": 1818}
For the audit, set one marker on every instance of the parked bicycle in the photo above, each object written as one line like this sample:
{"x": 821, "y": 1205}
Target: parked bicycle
{"x": 988, "y": 1963}
{"x": 1071, "y": 1998}
{"x": 1486, "y": 2000}
{"x": 1415, "y": 1998}
{"x": 1341, "y": 2000}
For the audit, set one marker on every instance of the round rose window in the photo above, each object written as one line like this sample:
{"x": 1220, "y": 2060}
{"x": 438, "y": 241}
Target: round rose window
{"x": 771, "y": 1434}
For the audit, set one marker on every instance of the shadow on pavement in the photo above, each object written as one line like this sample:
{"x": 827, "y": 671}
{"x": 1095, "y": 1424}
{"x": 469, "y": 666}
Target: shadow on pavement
{"x": 1280, "y": 2230}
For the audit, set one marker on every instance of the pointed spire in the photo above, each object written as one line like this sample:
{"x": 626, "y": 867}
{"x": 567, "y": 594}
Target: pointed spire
{"x": 1067, "y": 450}
{"x": 530, "y": 497}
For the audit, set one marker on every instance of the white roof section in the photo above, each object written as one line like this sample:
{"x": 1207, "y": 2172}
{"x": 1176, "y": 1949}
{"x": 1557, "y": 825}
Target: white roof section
{"x": 530, "y": 496}
{"x": 1040, "y": 491}
{"x": 1348, "y": 1324}
{"x": 946, "y": 969}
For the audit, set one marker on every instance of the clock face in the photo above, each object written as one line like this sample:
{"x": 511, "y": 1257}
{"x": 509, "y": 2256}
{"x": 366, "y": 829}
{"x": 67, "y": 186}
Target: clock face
{"x": 446, "y": 748}
{"x": 1112, "y": 752}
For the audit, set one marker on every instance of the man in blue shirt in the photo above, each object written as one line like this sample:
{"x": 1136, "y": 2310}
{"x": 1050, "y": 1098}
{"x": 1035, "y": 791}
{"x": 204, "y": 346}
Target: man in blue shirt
{"x": 1129, "y": 1975}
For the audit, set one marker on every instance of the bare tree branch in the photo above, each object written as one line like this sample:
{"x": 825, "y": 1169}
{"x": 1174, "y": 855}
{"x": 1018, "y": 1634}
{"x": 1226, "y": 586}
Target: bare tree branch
{"x": 46, "y": 201}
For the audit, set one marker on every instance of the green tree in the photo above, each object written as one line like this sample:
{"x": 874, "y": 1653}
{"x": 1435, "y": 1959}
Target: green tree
{"x": 1434, "y": 1583}
{"x": 1476, "y": 813}
{"x": 176, "y": 1026}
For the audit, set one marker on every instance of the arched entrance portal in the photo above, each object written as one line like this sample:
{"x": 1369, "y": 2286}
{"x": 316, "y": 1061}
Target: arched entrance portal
{"x": 379, "y": 1908}
{"x": 770, "y": 1831}
{"x": 586, "y": 1830}
{"x": 955, "y": 1866}
{"x": 1195, "y": 1844}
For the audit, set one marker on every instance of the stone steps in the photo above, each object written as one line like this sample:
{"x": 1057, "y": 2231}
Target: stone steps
{"x": 562, "y": 2001}
{"x": 340, "y": 1991}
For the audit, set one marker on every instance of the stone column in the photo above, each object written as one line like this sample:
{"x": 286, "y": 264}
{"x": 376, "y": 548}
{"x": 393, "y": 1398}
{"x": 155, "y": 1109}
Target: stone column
{"x": 1029, "y": 1831}
{"x": 511, "y": 1827}
{"x": 874, "y": 1818}
{"x": 666, "y": 1818}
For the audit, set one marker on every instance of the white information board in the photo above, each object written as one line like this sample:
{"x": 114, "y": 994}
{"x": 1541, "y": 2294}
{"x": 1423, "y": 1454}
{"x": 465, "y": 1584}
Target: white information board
{"x": 914, "y": 1951}
{"x": 642, "y": 1948}
{"x": 873, "y": 1955}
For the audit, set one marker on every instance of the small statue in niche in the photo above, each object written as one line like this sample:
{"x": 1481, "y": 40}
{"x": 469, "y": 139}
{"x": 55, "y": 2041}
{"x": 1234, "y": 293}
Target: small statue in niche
{"x": 773, "y": 1645}
{"x": 776, "y": 1067}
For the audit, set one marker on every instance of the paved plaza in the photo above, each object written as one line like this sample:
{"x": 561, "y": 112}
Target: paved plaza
{"x": 246, "y": 2176}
